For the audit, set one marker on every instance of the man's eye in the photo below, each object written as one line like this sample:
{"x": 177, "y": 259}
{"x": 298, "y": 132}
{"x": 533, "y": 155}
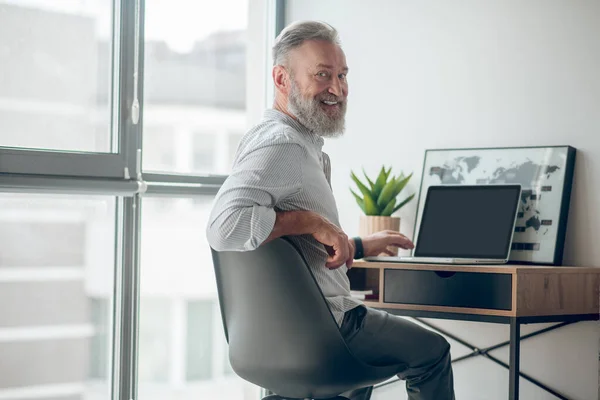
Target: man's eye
{"x": 322, "y": 74}
{"x": 342, "y": 77}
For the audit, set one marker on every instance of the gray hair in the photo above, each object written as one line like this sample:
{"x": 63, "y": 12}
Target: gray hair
{"x": 297, "y": 33}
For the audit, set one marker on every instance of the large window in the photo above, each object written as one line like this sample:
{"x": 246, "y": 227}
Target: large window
{"x": 55, "y": 74}
{"x": 195, "y": 83}
{"x": 107, "y": 289}
{"x": 200, "y": 340}
{"x": 182, "y": 344}
{"x": 155, "y": 357}
{"x": 99, "y": 349}
{"x": 56, "y": 285}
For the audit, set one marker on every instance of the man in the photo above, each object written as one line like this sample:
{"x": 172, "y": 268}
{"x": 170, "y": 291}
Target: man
{"x": 280, "y": 186}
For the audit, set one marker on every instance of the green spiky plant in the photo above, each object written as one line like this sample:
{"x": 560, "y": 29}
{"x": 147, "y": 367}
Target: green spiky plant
{"x": 380, "y": 197}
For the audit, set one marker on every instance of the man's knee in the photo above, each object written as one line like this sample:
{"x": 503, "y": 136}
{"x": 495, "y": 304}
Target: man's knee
{"x": 435, "y": 359}
{"x": 445, "y": 345}
{"x": 441, "y": 348}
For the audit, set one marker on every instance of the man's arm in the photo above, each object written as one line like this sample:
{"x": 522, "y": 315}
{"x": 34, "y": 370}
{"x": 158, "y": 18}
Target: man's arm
{"x": 288, "y": 223}
{"x": 243, "y": 214}
{"x": 340, "y": 249}
{"x": 383, "y": 242}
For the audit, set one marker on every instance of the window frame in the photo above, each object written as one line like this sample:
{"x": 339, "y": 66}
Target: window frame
{"x": 119, "y": 173}
{"x": 119, "y": 164}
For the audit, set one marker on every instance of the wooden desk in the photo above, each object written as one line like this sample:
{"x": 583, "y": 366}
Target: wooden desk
{"x": 509, "y": 294}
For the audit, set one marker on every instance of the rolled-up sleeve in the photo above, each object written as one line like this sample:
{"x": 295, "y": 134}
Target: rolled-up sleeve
{"x": 243, "y": 213}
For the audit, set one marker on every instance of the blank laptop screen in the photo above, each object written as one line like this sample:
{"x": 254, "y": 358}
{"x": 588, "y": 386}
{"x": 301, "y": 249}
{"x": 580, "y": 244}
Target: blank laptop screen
{"x": 468, "y": 221}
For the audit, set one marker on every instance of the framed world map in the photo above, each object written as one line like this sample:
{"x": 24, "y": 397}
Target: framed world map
{"x": 545, "y": 175}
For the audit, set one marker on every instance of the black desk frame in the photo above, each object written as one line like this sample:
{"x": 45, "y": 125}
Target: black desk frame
{"x": 514, "y": 342}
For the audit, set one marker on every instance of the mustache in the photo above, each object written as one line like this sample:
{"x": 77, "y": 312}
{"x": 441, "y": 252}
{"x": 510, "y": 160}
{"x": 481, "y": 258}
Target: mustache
{"x": 330, "y": 98}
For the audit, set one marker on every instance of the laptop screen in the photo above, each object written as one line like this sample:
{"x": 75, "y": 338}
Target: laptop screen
{"x": 465, "y": 221}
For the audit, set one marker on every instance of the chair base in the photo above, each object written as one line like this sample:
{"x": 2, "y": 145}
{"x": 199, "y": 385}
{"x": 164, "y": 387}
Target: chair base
{"x": 276, "y": 397}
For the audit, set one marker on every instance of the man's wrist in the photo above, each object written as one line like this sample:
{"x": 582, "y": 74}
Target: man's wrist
{"x": 359, "y": 251}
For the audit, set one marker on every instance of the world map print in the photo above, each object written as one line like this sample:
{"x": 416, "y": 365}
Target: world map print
{"x": 540, "y": 171}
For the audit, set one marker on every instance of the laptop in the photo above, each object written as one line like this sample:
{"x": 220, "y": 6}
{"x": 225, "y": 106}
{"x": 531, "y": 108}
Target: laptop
{"x": 465, "y": 224}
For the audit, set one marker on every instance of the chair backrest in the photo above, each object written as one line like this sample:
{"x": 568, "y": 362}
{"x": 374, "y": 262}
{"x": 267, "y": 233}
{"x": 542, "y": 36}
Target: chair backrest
{"x": 281, "y": 333}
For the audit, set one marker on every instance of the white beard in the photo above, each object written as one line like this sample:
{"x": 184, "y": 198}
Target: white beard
{"x": 311, "y": 115}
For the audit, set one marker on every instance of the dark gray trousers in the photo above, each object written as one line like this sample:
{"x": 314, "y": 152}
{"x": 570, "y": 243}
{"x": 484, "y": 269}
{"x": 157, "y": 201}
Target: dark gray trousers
{"x": 379, "y": 338}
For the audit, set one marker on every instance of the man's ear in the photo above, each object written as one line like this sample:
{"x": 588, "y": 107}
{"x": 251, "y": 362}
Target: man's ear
{"x": 281, "y": 78}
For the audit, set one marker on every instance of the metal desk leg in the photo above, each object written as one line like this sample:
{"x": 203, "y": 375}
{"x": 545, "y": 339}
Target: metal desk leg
{"x": 515, "y": 349}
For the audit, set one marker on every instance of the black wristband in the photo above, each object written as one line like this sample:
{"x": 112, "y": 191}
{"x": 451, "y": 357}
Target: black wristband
{"x": 359, "y": 252}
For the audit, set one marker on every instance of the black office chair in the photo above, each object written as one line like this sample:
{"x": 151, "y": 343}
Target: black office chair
{"x": 281, "y": 333}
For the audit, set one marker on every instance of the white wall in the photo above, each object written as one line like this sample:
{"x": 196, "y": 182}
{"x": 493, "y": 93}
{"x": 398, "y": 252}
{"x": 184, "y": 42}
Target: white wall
{"x": 463, "y": 73}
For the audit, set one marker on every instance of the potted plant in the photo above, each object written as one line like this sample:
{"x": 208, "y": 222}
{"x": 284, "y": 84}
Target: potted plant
{"x": 379, "y": 201}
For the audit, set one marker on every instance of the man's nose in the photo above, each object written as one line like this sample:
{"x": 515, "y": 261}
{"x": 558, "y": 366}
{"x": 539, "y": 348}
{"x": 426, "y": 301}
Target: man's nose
{"x": 336, "y": 87}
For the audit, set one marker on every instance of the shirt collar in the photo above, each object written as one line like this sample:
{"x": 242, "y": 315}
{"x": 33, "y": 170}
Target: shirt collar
{"x": 277, "y": 115}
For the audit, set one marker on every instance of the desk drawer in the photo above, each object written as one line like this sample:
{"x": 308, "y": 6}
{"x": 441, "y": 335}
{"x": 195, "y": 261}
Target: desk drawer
{"x": 450, "y": 289}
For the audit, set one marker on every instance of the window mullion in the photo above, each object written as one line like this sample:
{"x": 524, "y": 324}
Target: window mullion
{"x": 127, "y": 293}
{"x": 130, "y": 85}
{"x": 126, "y": 308}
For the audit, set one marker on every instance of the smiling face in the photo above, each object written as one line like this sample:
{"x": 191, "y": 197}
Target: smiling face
{"x": 317, "y": 88}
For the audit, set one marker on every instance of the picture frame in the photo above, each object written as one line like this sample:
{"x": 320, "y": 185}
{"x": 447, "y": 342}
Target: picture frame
{"x": 545, "y": 174}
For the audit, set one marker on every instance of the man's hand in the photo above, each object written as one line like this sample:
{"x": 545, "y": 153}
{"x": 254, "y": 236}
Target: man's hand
{"x": 385, "y": 242}
{"x": 336, "y": 243}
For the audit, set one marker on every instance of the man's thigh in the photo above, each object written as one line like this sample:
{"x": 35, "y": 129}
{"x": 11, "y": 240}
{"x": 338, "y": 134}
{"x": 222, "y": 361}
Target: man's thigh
{"x": 380, "y": 338}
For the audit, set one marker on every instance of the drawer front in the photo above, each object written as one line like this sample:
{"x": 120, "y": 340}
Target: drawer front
{"x": 450, "y": 289}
